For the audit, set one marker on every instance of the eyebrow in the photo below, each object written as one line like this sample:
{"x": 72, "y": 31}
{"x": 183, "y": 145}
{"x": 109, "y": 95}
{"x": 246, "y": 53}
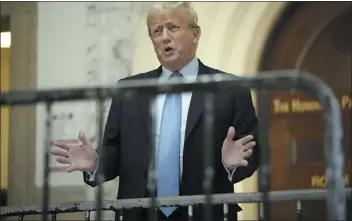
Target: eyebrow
{"x": 167, "y": 23}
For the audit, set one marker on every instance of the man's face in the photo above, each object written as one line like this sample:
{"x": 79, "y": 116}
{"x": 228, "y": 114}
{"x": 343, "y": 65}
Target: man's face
{"x": 175, "y": 42}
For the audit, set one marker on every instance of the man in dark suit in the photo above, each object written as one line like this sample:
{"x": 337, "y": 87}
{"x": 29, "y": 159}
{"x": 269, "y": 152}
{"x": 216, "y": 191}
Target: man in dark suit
{"x": 179, "y": 134}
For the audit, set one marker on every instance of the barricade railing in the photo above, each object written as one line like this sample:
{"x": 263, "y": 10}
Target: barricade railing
{"x": 335, "y": 194}
{"x": 297, "y": 196}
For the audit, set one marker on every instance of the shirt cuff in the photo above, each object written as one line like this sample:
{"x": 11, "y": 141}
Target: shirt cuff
{"x": 230, "y": 171}
{"x": 91, "y": 177}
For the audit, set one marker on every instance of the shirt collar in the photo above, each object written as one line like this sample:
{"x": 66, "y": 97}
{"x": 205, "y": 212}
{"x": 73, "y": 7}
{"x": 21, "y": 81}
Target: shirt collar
{"x": 188, "y": 71}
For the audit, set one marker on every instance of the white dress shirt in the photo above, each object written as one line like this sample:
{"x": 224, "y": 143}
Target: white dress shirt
{"x": 189, "y": 72}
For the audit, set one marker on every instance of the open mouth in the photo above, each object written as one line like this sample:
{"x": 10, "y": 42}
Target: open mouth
{"x": 168, "y": 49}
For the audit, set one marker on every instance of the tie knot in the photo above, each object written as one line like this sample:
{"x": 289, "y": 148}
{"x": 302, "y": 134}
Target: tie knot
{"x": 176, "y": 74}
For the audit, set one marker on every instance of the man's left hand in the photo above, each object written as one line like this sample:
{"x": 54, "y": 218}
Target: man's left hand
{"x": 234, "y": 153}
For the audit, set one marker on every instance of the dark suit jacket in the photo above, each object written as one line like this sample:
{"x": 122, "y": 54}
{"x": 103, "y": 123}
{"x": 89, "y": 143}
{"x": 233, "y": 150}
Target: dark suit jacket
{"x": 127, "y": 144}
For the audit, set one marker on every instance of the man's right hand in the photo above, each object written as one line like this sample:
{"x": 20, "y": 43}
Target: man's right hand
{"x": 78, "y": 157}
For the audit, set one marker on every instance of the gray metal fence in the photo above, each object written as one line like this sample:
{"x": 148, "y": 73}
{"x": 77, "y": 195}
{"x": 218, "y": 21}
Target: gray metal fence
{"x": 335, "y": 194}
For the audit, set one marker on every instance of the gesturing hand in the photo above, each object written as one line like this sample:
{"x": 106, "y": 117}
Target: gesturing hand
{"x": 77, "y": 157}
{"x": 234, "y": 153}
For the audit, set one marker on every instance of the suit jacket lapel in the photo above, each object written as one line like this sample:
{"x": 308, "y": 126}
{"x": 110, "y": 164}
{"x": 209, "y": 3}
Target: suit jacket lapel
{"x": 196, "y": 107}
{"x": 144, "y": 103}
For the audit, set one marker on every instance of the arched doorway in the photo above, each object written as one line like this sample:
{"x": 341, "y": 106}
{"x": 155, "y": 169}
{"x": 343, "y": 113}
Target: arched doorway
{"x": 315, "y": 37}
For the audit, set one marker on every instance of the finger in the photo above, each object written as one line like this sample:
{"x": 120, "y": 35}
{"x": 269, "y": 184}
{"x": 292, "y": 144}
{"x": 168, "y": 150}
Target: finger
{"x": 82, "y": 137}
{"x": 59, "y": 152}
{"x": 59, "y": 169}
{"x": 244, "y": 163}
{"x": 71, "y": 141}
{"x": 249, "y": 146}
{"x": 246, "y": 139}
{"x": 71, "y": 169}
{"x": 230, "y": 133}
{"x": 63, "y": 160}
{"x": 248, "y": 153}
{"x": 61, "y": 144}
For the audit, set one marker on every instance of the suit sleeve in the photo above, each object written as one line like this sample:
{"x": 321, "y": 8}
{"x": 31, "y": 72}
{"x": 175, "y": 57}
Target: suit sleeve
{"x": 245, "y": 122}
{"x": 109, "y": 151}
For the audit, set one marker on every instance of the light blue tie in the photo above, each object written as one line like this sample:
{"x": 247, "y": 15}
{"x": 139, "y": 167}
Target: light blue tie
{"x": 168, "y": 158}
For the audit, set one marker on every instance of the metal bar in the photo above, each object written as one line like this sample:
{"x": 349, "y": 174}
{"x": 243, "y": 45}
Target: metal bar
{"x": 264, "y": 169}
{"x": 270, "y": 80}
{"x": 87, "y": 215}
{"x": 226, "y": 211}
{"x": 261, "y": 213}
{"x": 333, "y": 152}
{"x": 217, "y": 199}
{"x": 299, "y": 210}
{"x": 153, "y": 215}
{"x": 53, "y": 217}
{"x": 208, "y": 156}
{"x": 46, "y": 160}
{"x": 100, "y": 172}
{"x": 190, "y": 213}
{"x": 120, "y": 216}
{"x": 281, "y": 80}
{"x": 334, "y": 156}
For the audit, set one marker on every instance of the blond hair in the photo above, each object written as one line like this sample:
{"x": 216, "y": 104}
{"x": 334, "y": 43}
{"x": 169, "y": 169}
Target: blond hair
{"x": 186, "y": 7}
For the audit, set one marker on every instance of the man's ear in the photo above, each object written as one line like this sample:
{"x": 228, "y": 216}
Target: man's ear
{"x": 196, "y": 34}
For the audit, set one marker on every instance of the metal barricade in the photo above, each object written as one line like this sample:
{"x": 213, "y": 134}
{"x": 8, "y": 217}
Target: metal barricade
{"x": 335, "y": 194}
